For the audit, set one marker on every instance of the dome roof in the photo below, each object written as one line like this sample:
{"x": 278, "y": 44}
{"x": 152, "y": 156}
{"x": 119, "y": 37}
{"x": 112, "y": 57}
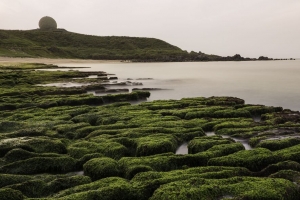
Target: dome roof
{"x": 47, "y": 23}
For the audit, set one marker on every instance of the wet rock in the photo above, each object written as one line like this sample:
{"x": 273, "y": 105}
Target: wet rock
{"x": 111, "y": 91}
{"x": 148, "y": 89}
{"x": 114, "y": 83}
{"x": 144, "y": 79}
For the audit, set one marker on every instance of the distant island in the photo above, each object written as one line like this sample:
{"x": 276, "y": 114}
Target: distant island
{"x": 50, "y": 42}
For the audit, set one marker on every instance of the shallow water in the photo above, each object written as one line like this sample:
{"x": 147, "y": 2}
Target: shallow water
{"x": 273, "y": 83}
{"x": 182, "y": 149}
{"x": 79, "y": 173}
{"x": 257, "y": 118}
{"x": 243, "y": 141}
{"x": 211, "y": 133}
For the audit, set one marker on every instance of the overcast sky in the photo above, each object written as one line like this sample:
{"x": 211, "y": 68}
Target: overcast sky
{"x": 223, "y": 27}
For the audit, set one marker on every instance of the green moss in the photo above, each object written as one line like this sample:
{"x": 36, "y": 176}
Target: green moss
{"x": 10, "y": 194}
{"x": 237, "y": 131}
{"x": 106, "y": 147}
{"x": 274, "y": 168}
{"x": 102, "y": 183}
{"x": 274, "y": 145}
{"x": 99, "y": 168}
{"x": 135, "y": 169}
{"x": 200, "y": 144}
{"x": 35, "y": 144}
{"x": 260, "y": 109}
{"x": 10, "y": 179}
{"x": 150, "y": 181}
{"x": 216, "y": 112}
{"x": 290, "y": 153}
{"x": 55, "y": 130}
{"x": 155, "y": 144}
{"x": 21, "y": 154}
{"x": 239, "y": 188}
{"x": 32, "y": 188}
{"x": 60, "y": 184}
{"x": 255, "y": 160}
{"x": 40, "y": 165}
{"x": 88, "y": 157}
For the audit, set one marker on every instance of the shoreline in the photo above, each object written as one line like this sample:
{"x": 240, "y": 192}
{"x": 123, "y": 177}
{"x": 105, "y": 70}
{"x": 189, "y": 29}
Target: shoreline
{"x": 4, "y": 60}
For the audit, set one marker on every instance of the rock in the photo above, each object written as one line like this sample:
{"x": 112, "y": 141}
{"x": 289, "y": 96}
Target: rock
{"x": 148, "y": 89}
{"x": 112, "y": 90}
{"x": 144, "y": 79}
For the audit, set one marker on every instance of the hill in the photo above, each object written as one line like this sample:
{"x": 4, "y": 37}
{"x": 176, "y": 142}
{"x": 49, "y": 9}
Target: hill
{"x": 63, "y": 44}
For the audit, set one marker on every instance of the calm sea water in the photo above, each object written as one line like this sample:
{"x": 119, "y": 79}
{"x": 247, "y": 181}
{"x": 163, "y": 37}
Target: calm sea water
{"x": 273, "y": 83}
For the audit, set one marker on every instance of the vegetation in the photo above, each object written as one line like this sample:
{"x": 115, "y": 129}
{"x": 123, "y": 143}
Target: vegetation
{"x": 50, "y": 42}
{"x": 61, "y": 143}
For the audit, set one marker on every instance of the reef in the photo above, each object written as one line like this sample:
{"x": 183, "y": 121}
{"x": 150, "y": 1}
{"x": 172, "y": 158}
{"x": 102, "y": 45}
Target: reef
{"x": 63, "y": 143}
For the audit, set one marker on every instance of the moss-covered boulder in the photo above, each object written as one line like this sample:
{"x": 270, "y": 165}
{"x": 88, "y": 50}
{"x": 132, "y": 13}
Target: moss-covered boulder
{"x": 155, "y": 144}
{"x": 200, "y": 144}
{"x": 255, "y": 159}
{"x": 98, "y": 168}
{"x": 236, "y": 188}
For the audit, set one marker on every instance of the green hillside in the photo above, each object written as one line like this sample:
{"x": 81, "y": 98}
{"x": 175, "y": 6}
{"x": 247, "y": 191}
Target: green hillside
{"x": 60, "y": 43}
{"x": 64, "y": 44}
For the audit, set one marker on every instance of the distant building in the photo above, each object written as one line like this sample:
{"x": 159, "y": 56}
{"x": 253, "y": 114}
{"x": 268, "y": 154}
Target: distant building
{"x": 47, "y": 24}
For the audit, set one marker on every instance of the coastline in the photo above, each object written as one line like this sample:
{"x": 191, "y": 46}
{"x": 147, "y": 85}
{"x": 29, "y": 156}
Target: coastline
{"x": 4, "y": 60}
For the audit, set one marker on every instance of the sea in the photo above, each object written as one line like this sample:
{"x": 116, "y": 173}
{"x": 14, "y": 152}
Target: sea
{"x": 271, "y": 83}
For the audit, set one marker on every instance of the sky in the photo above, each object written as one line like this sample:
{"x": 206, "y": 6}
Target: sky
{"x": 251, "y": 28}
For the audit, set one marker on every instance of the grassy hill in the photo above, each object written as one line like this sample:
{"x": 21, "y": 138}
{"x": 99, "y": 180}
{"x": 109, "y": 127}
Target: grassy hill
{"x": 64, "y": 44}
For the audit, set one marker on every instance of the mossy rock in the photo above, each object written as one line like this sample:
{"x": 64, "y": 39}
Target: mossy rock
{"x": 155, "y": 144}
{"x": 150, "y": 181}
{"x": 95, "y": 185}
{"x": 293, "y": 176}
{"x": 99, "y": 168}
{"x": 88, "y": 157}
{"x": 278, "y": 144}
{"x": 21, "y": 154}
{"x": 32, "y": 188}
{"x": 260, "y": 109}
{"x": 133, "y": 170}
{"x": 37, "y": 145}
{"x": 10, "y": 179}
{"x": 274, "y": 168}
{"x": 10, "y": 194}
{"x": 255, "y": 160}
{"x": 105, "y": 147}
{"x": 237, "y": 188}
{"x": 41, "y": 165}
{"x": 200, "y": 144}
{"x": 60, "y": 184}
